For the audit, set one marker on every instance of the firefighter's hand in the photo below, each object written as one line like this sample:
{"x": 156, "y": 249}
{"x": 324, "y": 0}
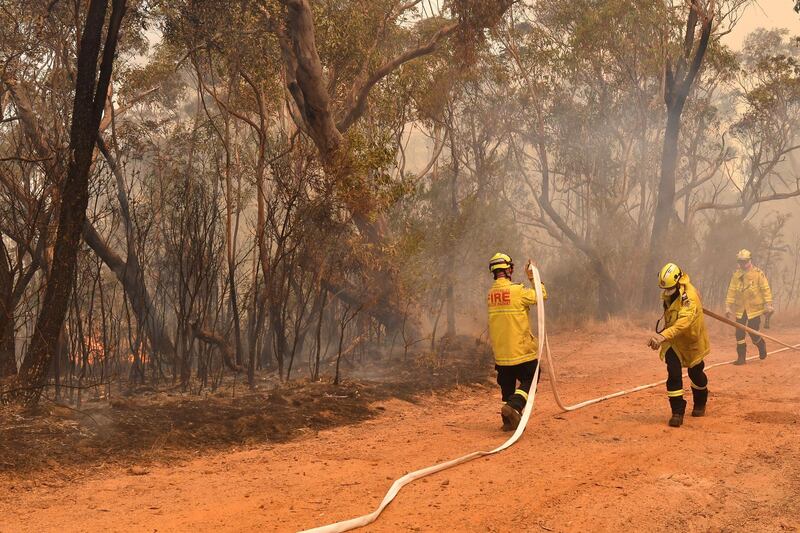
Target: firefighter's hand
{"x": 769, "y": 309}
{"x": 529, "y": 269}
{"x": 655, "y": 341}
{"x": 728, "y": 313}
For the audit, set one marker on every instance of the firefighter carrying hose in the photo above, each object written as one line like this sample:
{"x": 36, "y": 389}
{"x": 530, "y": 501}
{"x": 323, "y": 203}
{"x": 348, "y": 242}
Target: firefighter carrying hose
{"x": 749, "y": 297}
{"x": 681, "y": 335}
{"x": 513, "y": 344}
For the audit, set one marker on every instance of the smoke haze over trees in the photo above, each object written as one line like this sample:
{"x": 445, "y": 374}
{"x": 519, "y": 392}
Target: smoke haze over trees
{"x": 275, "y": 185}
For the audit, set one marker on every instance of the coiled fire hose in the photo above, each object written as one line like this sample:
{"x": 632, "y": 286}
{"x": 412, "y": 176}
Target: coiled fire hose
{"x": 545, "y": 353}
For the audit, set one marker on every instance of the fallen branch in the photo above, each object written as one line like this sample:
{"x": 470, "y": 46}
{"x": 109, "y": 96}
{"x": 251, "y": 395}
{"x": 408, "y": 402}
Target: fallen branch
{"x": 215, "y": 340}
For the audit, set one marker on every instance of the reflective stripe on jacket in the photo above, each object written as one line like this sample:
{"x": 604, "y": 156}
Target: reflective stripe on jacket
{"x": 748, "y": 292}
{"x": 509, "y": 327}
{"x": 685, "y": 330}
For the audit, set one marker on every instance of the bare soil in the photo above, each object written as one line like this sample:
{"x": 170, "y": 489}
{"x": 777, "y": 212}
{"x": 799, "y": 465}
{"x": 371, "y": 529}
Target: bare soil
{"x": 611, "y": 466}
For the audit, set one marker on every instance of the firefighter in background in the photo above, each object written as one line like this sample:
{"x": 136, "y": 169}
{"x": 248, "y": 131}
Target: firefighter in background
{"x": 749, "y": 297}
{"x": 513, "y": 344}
{"x": 683, "y": 341}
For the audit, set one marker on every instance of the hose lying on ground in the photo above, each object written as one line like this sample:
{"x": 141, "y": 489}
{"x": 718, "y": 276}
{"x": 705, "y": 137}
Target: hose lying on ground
{"x": 551, "y": 371}
{"x": 364, "y": 520}
{"x": 411, "y": 476}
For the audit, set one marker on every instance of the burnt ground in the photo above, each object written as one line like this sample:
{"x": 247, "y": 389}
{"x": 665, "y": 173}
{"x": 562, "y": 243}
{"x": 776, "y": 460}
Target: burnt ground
{"x": 56, "y": 440}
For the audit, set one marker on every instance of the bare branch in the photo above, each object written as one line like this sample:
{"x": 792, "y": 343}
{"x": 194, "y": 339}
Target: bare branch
{"x": 355, "y": 104}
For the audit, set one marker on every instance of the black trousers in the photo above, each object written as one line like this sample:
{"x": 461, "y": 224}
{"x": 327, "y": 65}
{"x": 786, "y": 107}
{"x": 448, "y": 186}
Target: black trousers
{"x": 697, "y": 377}
{"x": 758, "y": 340}
{"x": 507, "y": 377}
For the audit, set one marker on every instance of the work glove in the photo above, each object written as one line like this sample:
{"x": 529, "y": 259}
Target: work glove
{"x": 529, "y": 269}
{"x": 655, "y": 341}
{"x": 769, "y": 309}
{"x": 728, "y": 313}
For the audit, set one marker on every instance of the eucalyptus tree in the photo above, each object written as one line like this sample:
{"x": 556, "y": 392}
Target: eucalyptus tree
{"x": 766, "y": 130}
{"x": 685, "y": 51}
{"x": 40, "y": 47}
{"x": 329, "y": 97}
{"x": 91, "y": 87}
{"x": 589, "y": 81}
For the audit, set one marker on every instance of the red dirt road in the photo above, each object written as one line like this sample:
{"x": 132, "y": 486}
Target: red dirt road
{"x": 612, "y": 466}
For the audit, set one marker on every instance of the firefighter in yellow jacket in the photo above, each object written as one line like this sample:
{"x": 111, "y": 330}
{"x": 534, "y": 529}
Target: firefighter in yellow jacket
{"x": 683, "y": 341}
{"x": 513, "y": 344}
{"x": 749, "y": 298}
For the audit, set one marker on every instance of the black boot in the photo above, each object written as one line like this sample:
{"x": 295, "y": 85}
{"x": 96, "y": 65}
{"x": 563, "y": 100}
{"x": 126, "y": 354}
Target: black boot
{"x": 506, "y": 422}
{"x": 676, "y": 420}
{"x": 762, "y": 349}
{"x": 511, "y": 418}
{"x": 741, "y": 351}
{"x": 678, "y": 405}
{"x": 700, "y": 397}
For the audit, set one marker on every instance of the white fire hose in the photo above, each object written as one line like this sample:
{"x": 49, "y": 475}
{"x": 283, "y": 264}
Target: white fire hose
{"x": 367, "y": 519}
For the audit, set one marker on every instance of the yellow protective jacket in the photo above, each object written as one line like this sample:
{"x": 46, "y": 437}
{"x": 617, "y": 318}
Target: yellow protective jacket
{"x": 685, "y": 327}
{"x": 509, "y": 327}
{"x": 748, "y": 292}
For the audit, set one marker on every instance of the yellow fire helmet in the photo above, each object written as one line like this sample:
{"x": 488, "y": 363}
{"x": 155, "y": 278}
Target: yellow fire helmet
{"x": 669, "y": 276}
{"x": 744, "y": 255}
{"x": 500, "y": 261}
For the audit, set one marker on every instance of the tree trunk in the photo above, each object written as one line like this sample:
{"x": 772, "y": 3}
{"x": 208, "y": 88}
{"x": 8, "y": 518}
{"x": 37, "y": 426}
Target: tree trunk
{"x": 90, "y": 97}
{"x": 233, "y": 301}
{"x": 665, "y": 206}
{"x": 132, "y": 278}
{"x": 209, "y": 337}
{"x": 281, "y": 343}
{"x": 677, "y": 86}
{"x": 307, "y": 84}
{"x": 451, "y": 253}
{"x": 318, "y": 346}
{"x": 128, "y": 272}
{"x": 608, "y": 299}
{"x": 608, "y": 291}
{"x": 8, "y": 362}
